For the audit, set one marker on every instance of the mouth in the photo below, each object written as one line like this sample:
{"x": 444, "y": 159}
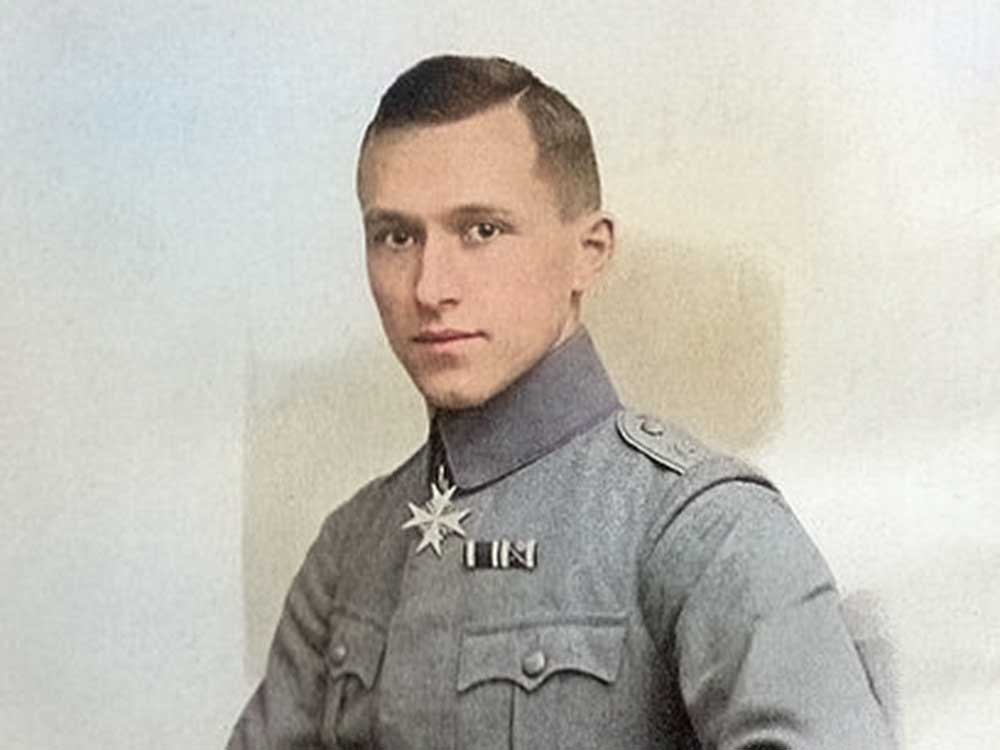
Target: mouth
{"x": 444, "y": 339}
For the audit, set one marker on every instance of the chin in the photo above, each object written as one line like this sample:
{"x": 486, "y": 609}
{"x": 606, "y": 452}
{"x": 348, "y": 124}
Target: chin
{"x": 453, "y": 400}
{"x": 465, "y": 387}
{"x": 453, "y": 396}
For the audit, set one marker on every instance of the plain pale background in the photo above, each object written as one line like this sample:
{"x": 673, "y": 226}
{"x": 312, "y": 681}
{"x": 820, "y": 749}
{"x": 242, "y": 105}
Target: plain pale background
{"x": 192, "y": 375}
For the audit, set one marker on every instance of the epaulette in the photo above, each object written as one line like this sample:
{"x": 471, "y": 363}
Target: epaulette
{"x": 666, "y": 444}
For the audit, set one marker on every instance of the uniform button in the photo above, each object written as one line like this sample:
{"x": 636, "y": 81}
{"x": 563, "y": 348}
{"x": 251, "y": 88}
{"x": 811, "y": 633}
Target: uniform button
{"x": 651, "y": 426}
{"x": 686, "y": 446}
{"x": 338, "y": 654}
{"x": 534, "y": 664}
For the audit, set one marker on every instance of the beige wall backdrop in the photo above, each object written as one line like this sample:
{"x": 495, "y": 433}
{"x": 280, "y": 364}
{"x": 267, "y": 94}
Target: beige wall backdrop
{"x": 192, "y": 376}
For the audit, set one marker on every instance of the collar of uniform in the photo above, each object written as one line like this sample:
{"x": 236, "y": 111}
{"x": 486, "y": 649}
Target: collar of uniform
{"x": 567, "y": 392}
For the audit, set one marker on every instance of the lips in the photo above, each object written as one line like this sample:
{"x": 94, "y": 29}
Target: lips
{"x": 442, "y": 337}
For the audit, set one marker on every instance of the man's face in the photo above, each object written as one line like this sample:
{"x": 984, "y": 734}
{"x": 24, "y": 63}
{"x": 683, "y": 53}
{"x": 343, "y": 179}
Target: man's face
{"x": 474, "y": 273}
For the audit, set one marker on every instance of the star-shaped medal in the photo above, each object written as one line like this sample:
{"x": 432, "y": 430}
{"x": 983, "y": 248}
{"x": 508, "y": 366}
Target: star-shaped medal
{"x": 437, "y": 517}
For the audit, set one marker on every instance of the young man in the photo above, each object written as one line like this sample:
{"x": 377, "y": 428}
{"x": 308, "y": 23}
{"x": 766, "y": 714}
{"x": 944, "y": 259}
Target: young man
{"x": 549, "y": 570}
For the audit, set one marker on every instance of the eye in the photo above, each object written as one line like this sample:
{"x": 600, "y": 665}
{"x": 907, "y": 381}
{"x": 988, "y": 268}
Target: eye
{"x": 394, "y": 239}
{"x": 482, "y": 232}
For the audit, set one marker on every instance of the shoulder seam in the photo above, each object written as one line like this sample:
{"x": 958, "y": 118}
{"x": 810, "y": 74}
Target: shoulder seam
{"x": 708, "y": 475}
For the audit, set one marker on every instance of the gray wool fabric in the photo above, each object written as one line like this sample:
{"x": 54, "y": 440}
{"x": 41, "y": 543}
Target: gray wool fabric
{"x": 675, "y": 601}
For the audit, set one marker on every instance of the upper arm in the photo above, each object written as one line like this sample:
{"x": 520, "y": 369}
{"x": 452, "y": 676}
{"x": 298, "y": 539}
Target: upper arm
{"x": 748, "y": 612}
{"x": 286, "y": 709}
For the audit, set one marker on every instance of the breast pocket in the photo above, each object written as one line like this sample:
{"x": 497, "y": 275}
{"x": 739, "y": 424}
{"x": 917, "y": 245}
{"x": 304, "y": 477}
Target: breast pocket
{"x": 539, "y": 685}
{"x": 353, "y": 658}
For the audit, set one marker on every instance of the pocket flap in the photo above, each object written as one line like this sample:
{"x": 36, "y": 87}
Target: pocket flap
{"x": 355, "y": 647}
{"x": 531, "y": 653}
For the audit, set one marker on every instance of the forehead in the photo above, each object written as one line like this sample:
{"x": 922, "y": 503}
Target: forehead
{"x": 487, "y": 158}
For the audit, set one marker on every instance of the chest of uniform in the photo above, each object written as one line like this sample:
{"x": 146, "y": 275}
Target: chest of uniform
{"x": 484, "y": 647}
{"x": 580, "y": 539}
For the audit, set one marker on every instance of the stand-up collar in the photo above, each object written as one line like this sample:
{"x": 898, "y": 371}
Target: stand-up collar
{"x": 562, "y": 395}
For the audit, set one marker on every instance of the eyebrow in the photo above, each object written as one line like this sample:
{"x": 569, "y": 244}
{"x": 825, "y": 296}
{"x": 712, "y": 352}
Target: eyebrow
{"x": 378, "y": 216}
{"x": 476, "y": 210}
{"x": 464, "y": 212}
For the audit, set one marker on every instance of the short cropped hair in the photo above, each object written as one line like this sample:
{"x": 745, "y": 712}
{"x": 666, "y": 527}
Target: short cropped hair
{"x": 448, "y": 88}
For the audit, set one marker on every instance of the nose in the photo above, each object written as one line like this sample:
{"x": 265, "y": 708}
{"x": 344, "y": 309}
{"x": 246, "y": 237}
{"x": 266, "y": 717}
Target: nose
{"x": 438, "y": 273}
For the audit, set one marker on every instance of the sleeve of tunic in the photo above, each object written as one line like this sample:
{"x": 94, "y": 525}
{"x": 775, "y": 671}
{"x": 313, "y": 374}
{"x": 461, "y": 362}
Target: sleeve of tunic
{"x": 746, "y": 611}
{"x": 286, "y": 709}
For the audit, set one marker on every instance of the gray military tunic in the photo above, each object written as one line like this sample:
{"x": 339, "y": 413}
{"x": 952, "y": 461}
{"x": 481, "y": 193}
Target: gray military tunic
{"x": 675, "y": 601}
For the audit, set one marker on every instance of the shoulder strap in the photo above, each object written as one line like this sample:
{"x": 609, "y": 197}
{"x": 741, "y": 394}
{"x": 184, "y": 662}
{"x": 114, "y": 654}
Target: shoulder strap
{"x": 666, "y": 444}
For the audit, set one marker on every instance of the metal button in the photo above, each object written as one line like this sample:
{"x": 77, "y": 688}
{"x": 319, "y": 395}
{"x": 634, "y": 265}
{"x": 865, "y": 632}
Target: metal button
{"x": 651, "y": 426}
{"x": 534, "y": 663}
{"x": 338, "y": 654}
{"x": 686, "y": 446}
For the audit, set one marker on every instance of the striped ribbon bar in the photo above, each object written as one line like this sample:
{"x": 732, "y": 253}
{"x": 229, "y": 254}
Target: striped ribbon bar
{"x": 501, "y": 554}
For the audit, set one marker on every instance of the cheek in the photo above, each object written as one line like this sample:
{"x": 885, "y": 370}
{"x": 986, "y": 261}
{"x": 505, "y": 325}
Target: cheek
{"x": 531, "y": 287}
{"x": 387, "y": 288}
{"x": 547, "y": 275}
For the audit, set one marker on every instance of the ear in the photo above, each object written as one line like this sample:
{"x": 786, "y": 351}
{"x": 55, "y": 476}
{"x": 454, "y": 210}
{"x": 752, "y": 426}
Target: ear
{"x": 596, "y": 245}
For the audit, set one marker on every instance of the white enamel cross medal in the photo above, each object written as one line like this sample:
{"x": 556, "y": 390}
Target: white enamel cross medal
{"x": 437, "y": 517}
